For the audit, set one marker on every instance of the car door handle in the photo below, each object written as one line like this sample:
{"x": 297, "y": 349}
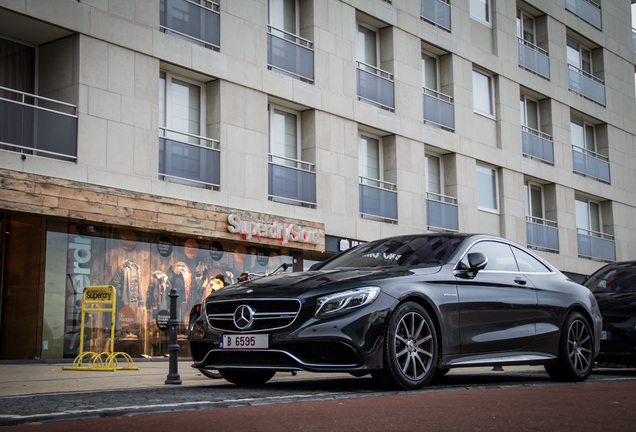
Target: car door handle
{"x": 520, "y": 281}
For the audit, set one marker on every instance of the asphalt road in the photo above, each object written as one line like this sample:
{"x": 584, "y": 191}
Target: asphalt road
{"x": 493, "y": 401}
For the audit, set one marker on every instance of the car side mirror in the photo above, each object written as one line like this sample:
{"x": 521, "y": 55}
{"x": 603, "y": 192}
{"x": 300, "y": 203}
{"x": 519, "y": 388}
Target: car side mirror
{"x": 476, "y": 261}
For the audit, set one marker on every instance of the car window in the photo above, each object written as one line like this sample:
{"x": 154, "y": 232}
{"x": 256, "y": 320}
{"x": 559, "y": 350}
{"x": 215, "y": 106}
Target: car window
{"x": 428, "y": 250}
{"x": 613, "y": 279}
{"x": 500, "y": 257}
{"x": 529, "y": 264}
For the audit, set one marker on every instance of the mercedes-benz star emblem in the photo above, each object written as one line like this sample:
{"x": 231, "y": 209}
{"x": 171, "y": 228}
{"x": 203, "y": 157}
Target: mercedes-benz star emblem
{"x": 243, "y": 317}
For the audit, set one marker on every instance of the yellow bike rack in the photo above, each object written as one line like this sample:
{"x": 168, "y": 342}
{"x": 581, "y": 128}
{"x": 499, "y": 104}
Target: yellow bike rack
{"x": 100, "y": 298}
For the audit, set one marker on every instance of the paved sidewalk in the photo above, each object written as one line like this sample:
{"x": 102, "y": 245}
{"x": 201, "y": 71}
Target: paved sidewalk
{"x": 27, "y": 378}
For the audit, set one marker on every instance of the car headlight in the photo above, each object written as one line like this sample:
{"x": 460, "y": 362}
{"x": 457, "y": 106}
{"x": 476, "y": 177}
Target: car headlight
{"x": 345, "y": 301}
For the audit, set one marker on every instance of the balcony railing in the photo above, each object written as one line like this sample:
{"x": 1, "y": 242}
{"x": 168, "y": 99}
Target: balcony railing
{"x": 290, "y": 54}
{"x": 542, "y": 234}
{"x": 586, "y": 85}
{"x": 196, "y": 20}
{"x": 378, "y": 200}
{"x": 189, "y": 159}
{"x": 37, "y": 125}
{"x": 586, "y": 10}
{"x": 441, "y": 212}
{"x": 437, "y": 12}
{"x": 292, "y": 180}
{"x": 596, "y": 245}
{"x": 537, "y": 145}
{"x": 533, "y": 58}
{"x": 590, "y": 164}
{"x": 439, "y": 108}
{"x": 375, "y": 85}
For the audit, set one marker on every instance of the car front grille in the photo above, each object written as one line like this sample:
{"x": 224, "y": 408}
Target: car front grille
{"x": 268, "y": 314}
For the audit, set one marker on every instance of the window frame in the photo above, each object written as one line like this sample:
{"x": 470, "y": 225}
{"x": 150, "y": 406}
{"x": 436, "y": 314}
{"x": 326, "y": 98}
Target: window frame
{"x": 440, "y": 165}
{"x": 271, "y": 14}
{"x": 434, "y": 58}
{"x": 271, "y": 108}
{"x": 527, "y": 186}
{"x": 491, "y": 93}
{"x": 366, "y": 178}
{"x": 377, "y": 45}
{"x": 487, "y": 19}
{"x": 521, "y": 17}
{"x": 524, "y": 99}
{"x": 580, "y": 48}
{"x": 495, "y": 188}
{"x": 584, "y": 124}
{"x": 599, "y": 214}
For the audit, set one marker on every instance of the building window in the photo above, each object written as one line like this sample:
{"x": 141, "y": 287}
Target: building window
{"x": 284, "y": 142}
{"x": 588, "y": 216}
{"x": 371, "y": 163}
{"x": 480, "y": 9}
{"x": 530, "y": 113}
{"x": 430, "y": 72}
{"x": 487, "y": 186}
{"x": 483, "y": 93}
{"x": 434, "y": 175}
{"x": 579, "y": 56}
{"x": 185, "y": 156}
{"x": 526, "y": 28}
{"x": 583, "y": 134}
{"x": 283, "y": 15}
{"x": 534, "y": 200}
{"x": 368, "y": 48}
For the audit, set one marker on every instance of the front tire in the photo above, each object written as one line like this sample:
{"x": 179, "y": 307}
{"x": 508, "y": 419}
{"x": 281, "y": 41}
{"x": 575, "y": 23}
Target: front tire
{"x": 247, "y": 376}
{"x": 576, "y": 357}
{"x": 410, "y": 348}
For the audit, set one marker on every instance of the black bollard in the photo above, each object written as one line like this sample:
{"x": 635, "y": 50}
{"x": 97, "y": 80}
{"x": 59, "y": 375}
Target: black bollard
{"x": 173, "y": 347}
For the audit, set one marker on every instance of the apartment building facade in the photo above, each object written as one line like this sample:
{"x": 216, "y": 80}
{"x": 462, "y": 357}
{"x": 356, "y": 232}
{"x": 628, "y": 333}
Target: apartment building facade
{"x": 154, "y": 144}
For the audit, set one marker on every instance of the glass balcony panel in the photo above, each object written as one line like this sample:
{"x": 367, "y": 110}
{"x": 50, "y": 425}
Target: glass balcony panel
{"x": 378, "y": 202}
{"x": 291, "y": 57}
{"x": 292, "y": 183}
{"x": 589, "y": 164}
{"x": 37, "y": 128}
{"x": 375, "y": 88}
{"x": 544, "y": 235}
{"x": 438, "y": 110}
{"x": 187, "y": 161}
{"x": 595, "y": 246}
{"x": 537, "y": 145}
{"x": 189, "y": 18}
{"x": 586, "y": 10}
{"x": 436, "y": 12}
{"x": 586, "y": 85}
{"x": 441, "y": 215}
{"x": 534, "y": 59}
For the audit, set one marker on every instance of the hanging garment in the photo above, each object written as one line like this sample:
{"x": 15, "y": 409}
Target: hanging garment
{"x": 127, "y": 280}
{"x": 158, "y": 290}
{"x": 181, "y": 279}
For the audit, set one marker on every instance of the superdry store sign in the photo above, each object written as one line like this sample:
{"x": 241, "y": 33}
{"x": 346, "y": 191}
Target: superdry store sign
{"x": 286, "y": 233}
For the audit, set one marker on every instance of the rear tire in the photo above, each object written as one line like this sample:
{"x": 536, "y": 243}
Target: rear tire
{"x": 410, "y": 349}
{"x": 247, "y": 376}
{"x": 576, "y": 358}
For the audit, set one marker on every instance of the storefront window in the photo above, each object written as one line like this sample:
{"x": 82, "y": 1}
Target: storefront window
{"x": 143, "y": 267}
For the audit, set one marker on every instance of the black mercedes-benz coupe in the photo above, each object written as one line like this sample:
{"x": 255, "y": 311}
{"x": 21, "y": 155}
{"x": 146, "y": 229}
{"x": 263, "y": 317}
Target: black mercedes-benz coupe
{"x": 614, "y": 286}
{"x": 404, "y": 309}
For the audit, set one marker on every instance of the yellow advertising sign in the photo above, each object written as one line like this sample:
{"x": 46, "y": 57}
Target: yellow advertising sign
{"x": 100, "y": 298}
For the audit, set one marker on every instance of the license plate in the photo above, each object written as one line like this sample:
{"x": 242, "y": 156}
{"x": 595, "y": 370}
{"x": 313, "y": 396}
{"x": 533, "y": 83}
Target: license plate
{"x": 606, "y": 335}
{"x": 245, "y": 341}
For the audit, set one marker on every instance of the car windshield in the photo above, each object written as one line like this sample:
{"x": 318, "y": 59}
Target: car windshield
{"x": 619, "y": 278}
{"x": 425, "y": 250}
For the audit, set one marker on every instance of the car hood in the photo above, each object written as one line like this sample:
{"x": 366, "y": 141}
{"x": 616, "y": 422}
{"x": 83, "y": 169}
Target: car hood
{"x": 322, "y": 281}
{"x": 617, "y": 303}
